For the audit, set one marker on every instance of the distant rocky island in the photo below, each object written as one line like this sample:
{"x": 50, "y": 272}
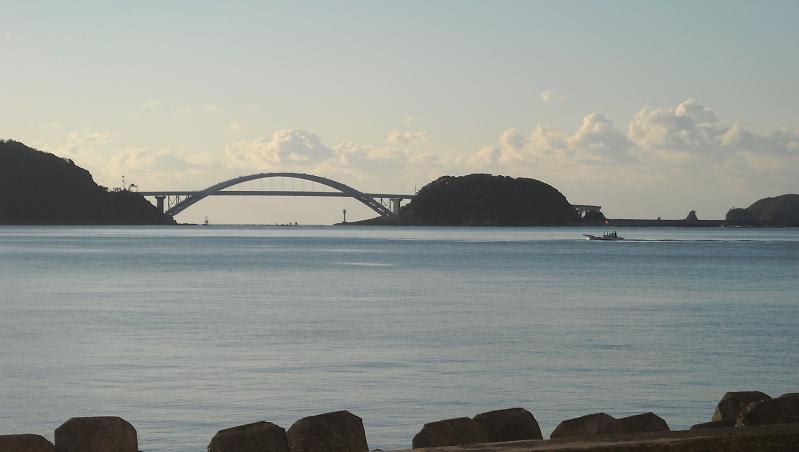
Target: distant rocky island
{"x": 39, "y": 188}
{"x": 485, "y": 200}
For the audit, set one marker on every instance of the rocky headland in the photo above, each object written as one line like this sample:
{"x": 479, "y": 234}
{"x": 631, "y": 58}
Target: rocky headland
{"x": 38, "y": 188}
{"x": 780, "y": 210}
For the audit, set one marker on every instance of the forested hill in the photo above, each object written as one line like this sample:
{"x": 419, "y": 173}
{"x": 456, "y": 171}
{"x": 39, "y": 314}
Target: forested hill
{"x": 780, "y": 210}
{"x": 41, "y": 188}
{"x": 484, "y": 199}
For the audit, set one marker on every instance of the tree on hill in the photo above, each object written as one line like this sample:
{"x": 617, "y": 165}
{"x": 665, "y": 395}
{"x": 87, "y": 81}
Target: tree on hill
{"x": 738, "y": 216}
{"x": 691, "y": 216}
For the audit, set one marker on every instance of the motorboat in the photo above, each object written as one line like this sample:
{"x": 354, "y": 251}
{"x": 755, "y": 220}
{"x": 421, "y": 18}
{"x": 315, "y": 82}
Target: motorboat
{"x": 608, "y": 236}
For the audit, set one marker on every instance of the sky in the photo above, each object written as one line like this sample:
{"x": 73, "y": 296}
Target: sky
{"x": 645, "y": 108}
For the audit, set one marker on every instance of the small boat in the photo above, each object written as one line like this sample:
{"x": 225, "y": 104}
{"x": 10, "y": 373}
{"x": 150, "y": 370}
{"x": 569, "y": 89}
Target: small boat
{"x": 608, "y": 236}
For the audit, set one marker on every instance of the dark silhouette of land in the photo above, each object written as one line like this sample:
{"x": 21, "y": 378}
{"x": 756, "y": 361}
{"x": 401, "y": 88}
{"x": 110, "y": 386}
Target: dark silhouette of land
{"x": 484, "y": 200}
{"x": 487, "y": 200}
{"x": 41, "y": 188}
{"x": 778, "y": 211}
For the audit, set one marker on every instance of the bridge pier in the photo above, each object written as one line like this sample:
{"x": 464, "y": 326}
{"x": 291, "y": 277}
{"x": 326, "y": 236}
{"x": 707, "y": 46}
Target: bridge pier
{"x": 395, "y": 206}
{"x": 159, "y": 202}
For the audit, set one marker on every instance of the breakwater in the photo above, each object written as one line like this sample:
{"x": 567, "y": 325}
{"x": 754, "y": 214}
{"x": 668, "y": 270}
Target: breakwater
{"x": 742, "y": 421}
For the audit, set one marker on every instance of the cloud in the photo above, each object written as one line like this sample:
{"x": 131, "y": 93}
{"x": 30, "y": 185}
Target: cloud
{"x": 598, "y": 134}
{"x": 140, "y": 159}
{"x": 286, "y": 149}
{"x": 87, "y": 147}
{"x": 188, "y": 108}
{"x": 596, "y": 139}
{"x": 549, "y": 97}
{"x": 406, "y": 137}
{"x": 689, "y": 126}
{"x": 693, "y": 129}
{"x": 362, "y": 155}
{"x": 359, "y": 164}
{"x": 211, "y": 108}
{"x": 151, "y": 104}
{"x": 780, "y": 141}
{"x": 236, "y": 126}
{"x": 165, "y": 167}
{"x": 669, "y": 135}
{"x": 88, "y": 137}
{"x": 685, "y": 151}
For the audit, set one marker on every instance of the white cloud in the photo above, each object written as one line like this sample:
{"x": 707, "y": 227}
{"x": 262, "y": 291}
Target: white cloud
{"x": 598, "y": 134}
{"x": 188, "y": 108}
{"x": 86, "y": 147}
{"x": 139, "y": 159}
{"x": 684, "y": 151}
{"x": 151, "y": 104}
{"x": 286, "y": 149}
{"x": 211, "y": 108}
{"x": 358, "y": 164}
{"x": 359, "y": 154}
{"x": 693, "y": 129}
{"x": 549, "y": 97}
{"x": 88, "y": 137}
{"x": 596, "y": 140}
{"x": 689, "y": 126}
{"x": 406, "y": 137}
{"x": 56, "y": 125}
{"x": 162, "y": 168}
{"x": 236, "y": 126}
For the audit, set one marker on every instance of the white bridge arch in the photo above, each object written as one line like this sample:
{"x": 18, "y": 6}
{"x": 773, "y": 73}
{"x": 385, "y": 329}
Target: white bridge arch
{"x": 192, "y": 197}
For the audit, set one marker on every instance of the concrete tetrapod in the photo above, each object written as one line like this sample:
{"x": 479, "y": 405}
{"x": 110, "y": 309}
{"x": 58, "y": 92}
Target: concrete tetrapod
{"x": 256, "y": 437}
{"x": 588, "y": 425}
{"x": 96, "y": 434}
{"x": 340, "y": 431}
{"x": 783, "y": 410}
{"x": 642, "y": 423}
{"x": 732, "y": 403}
{"x": 449, "y": 432}
{"x": 25, "y": 443}
{"x": 512, "y": 424}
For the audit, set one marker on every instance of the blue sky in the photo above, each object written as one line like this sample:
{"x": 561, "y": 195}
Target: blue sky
{"x": 647, "y": 108}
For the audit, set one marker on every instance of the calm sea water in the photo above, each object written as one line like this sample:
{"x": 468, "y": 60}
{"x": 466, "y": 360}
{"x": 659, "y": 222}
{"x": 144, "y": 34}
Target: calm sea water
{"x": 187, "y": 330}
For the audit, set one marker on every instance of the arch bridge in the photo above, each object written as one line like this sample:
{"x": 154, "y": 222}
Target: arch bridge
{"x": 178, "y": 200}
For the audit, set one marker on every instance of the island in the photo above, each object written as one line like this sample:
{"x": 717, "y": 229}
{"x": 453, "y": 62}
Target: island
{"x": 484, "y": 200}
{"x": 39, "y": 188}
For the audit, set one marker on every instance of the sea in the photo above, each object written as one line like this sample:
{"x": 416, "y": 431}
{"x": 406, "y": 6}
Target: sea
{"x": 187, "y": 330}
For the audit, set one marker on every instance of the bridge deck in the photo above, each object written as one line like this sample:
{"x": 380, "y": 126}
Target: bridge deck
{"x": 336, "y": 194}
